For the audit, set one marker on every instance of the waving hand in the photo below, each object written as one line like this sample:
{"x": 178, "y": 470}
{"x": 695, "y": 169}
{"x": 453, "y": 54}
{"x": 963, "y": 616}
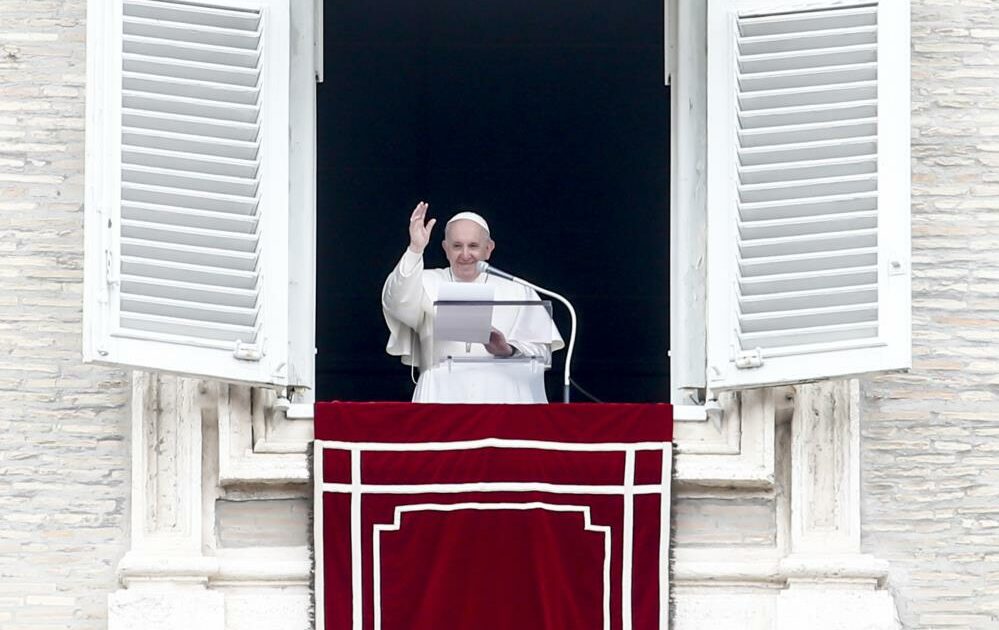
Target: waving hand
{"x": 419, "y": 232}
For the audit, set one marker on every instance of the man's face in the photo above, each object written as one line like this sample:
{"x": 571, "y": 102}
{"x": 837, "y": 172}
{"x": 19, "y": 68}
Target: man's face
{"x": 466, "y": 243}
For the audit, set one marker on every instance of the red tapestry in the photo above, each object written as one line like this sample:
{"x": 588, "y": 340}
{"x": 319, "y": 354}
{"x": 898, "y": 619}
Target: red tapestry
{"x": 490, "y": 517}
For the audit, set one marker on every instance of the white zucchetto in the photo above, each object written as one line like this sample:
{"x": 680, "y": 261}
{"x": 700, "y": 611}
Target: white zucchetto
{"x": 470, "y": 216}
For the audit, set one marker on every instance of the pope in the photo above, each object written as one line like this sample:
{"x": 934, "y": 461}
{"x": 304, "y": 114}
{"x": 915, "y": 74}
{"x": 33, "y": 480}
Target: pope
{"x": 502, "y": 369}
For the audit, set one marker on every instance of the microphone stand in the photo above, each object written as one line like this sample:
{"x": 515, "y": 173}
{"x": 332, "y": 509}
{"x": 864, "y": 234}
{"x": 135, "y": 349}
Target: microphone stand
{"x": 487, "y": 268}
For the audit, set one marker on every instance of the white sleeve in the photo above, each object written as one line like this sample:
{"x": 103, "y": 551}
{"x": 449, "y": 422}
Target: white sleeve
{"x": 534, "y": 318}
{"x": 402, "y": 298}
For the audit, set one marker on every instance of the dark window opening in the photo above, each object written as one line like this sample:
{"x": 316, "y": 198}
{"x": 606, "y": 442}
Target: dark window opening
{"x": 551, "y": 119}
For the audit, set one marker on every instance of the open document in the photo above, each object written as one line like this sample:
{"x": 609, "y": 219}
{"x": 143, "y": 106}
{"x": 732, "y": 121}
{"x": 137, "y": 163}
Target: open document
{"x": 456, "y": 321}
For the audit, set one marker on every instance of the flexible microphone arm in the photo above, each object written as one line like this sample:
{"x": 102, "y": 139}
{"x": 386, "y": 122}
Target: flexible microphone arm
{"x": 484, "y": 267}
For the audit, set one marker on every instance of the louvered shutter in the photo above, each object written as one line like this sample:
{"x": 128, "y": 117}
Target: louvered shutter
{"x": 187, "y": 187}
{"x": 808, "y": 190}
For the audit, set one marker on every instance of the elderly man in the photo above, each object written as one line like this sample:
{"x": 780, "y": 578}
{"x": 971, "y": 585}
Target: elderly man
{"x": 408, "y": 304}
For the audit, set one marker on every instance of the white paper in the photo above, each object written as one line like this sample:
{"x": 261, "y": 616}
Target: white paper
{"x": 460, "y": 322}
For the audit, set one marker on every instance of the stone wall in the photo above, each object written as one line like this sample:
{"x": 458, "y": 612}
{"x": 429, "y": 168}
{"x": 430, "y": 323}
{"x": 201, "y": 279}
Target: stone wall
{"x": 931, "y": 437}
{"x": 64, "y": 452}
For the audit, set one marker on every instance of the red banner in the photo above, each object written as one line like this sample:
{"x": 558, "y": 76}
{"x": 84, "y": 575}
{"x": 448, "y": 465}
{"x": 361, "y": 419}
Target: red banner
{"x": 525, "y": 517}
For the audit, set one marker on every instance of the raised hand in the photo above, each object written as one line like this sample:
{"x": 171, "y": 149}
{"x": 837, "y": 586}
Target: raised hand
{"x": 419, "y": 233}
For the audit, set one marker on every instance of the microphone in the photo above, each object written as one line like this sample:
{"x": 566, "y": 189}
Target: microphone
{"x": 484, "y": 267}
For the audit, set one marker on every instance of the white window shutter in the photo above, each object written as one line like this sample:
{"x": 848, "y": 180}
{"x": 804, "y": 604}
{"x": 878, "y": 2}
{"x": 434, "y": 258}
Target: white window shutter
{"x": 808, "y": 190}
{"x": 187, "y": 187}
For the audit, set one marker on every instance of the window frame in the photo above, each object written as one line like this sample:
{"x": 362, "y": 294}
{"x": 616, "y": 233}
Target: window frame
{"x": 687, "y": 37}
{"x": 734, "y": 448}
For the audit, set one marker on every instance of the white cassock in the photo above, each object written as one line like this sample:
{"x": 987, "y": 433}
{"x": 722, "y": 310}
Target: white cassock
{"x": 408, "y": 304}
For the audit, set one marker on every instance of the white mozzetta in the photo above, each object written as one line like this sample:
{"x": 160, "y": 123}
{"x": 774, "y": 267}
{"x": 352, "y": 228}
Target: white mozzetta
{"x": 807, "y": 190}
{"x": 187, "y": 176}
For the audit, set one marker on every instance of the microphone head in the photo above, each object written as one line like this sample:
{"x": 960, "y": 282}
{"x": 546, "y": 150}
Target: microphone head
{"x": 482, "y": 266}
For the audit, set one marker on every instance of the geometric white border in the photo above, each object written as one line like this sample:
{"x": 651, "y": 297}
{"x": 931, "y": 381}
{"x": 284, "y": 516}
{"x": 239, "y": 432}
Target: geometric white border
{"x": 356, "y": 488}
{"x": 453, "y": 507}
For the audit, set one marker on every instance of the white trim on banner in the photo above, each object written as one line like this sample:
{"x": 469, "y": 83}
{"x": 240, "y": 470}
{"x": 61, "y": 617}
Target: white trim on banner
{"x": 317, "y": 532}
{"x": 627, "y": 527}
{"x": 355, "y": 539}
{"x": 495, "y": 443}
{"x": 492, "y": 486}
{"x": 588, "y": 525}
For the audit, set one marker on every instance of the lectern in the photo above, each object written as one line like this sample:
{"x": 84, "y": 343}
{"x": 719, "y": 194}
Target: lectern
{"x": 462, "y": 370}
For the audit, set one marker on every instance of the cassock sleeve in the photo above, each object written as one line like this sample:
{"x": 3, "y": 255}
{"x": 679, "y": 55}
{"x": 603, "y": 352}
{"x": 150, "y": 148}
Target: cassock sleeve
{"x": 531, "y": 322}
{"x": 402, "y": 298}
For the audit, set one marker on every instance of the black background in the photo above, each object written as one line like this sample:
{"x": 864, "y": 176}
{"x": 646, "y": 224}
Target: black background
{"x": 550, "y": 118}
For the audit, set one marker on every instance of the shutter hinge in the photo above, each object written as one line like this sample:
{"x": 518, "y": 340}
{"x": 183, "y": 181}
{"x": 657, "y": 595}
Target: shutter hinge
{"x": 247, "y": 352}
{"x": 110, "y": 272}
{"x": 749, "y": 359}
{"x": 896, "y": 266}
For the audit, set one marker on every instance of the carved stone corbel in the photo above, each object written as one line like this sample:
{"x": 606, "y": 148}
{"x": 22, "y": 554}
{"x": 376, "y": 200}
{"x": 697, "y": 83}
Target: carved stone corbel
{"x": 734, "y": 450}
{"x": 257, "y": 443}
{"x": 165, "y": 573}
{"x": 830, "y": 582}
